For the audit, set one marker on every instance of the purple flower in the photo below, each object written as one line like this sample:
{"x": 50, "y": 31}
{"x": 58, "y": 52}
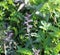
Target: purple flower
{"x": 25, "y": 22}
{"x": 26, "y": 18}
{"x": 29, "y": 26}
{"x": 9, "y": 37}
{"x": 28, "y": 15}
{"x": 11, "y": 34}
{"x": 36, "y": 52}
{"x": 29, "y": 20}
{"x": 28, "y": 30}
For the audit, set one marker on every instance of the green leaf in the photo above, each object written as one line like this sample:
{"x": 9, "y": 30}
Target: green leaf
{"x": 24, "y": 51}
{"x": 57, "y": 48}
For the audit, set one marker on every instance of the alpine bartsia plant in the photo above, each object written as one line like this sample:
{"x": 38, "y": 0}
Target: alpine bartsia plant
{"x": 28, "y": 20}
{"x": 28, "y": 27}
{"x": 36, "y": 52}
{"x": 9, "y": 35}
{"x": 9, "y": 43}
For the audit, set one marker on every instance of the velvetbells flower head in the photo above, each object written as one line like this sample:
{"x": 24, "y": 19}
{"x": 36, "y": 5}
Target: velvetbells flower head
{"x": 9, "y": 35}
{"x": 28, "y": 20}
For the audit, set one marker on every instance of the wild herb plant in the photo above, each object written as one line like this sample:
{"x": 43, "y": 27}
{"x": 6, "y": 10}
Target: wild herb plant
{"x": 30, "y": 27}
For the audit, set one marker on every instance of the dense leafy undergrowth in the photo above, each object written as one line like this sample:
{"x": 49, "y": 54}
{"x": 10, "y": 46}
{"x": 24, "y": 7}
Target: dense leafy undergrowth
{"x": 29, "y": 27}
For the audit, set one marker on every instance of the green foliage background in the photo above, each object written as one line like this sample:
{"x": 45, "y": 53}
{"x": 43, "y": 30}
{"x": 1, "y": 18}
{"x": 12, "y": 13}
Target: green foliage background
{"x": 45, "y": 33}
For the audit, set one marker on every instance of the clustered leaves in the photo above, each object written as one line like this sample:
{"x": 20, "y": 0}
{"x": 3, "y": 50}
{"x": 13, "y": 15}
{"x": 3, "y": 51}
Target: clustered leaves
{"x": 33, "y": 25}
